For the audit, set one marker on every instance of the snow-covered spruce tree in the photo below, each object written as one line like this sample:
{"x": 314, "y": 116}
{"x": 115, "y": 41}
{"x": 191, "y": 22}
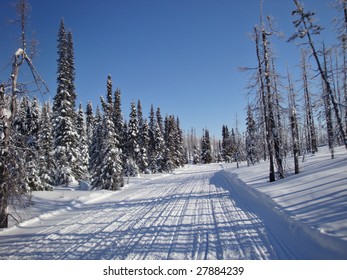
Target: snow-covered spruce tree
{"x": 143, "y": 140}
{"x": 140, "y": 119}
{"x": 90, "y": 125}
{"x": 46, "y": 153}
{"x": 170, "y": 155}
{"x": 118, "y": 117}
{"x": 196, "y": 155}
{"x": 95, "y": 147}
{"x": 143, "y": 161}
{"x": 105, "y": 161}
{"x": 133, "y": 148}
{"x": 31, "y": 153}
{"x": 25, "y": 139}
{"x": 109, "y": 174}
{"x": 124, "y": 144}
{"x": 226, "y": 144}
{"x": 306, "y": 28}
{"x": 206, "y": 156}
{"x": 109, "y": 92}
{"x": 151, "y": 144}
{"x": 64, "y": 116}
{"x": 70, "y": 57}
{"x": 160, "y": 120}
{"x": 252, "y": 141}
{"x": 82, "y": 169}
{"x": 181, "y": 150}
{"x": 157, "y": 160}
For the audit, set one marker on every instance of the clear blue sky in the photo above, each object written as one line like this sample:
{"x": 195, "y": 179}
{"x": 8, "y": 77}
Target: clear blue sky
{"x": 181, "y": 55}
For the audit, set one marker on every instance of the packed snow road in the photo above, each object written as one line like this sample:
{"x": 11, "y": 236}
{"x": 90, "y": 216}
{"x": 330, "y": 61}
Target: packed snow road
{"x": 194, "y": 214}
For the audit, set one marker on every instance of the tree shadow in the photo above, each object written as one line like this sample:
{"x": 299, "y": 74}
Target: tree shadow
{"x": 193, "y": 223}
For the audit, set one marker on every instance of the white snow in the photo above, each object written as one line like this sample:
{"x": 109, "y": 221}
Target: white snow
{"x": 19, "y": 52}
{"x": 198, "y": 212}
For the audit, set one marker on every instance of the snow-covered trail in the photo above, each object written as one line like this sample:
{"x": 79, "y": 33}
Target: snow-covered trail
{"x": 187, "y": 215}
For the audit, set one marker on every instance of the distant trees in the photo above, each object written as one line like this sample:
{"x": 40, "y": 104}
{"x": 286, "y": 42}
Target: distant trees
{"x": 253, "y": 146}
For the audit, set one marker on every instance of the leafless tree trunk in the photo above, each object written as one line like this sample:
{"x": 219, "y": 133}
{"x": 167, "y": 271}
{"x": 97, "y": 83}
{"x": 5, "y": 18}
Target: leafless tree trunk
{"x": 328, "y": 115}
{"x": 311, "y": 130}
{"x": 8, "y": 113}
{"x": 272, "y": 129}
{"x": 272, "y": 177}
{"x": 293, "y": 124}
{"x": 307, "y": 30}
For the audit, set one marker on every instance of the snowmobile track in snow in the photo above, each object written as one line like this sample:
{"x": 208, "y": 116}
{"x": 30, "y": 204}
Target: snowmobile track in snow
{"x": 197, "y": 213}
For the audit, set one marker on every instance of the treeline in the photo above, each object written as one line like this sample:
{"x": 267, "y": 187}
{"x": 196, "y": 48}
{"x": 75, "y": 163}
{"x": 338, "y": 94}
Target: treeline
{"x": 61, "y": 145}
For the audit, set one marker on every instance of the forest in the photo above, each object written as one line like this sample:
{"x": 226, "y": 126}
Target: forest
{"x": 56, "y": 143}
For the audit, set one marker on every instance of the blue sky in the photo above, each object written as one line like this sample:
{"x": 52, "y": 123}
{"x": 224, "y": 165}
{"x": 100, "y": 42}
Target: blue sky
{"x": 181, "y": 55}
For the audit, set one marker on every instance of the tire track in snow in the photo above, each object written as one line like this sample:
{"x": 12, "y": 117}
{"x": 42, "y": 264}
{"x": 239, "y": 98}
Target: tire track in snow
{"x": 188, "y": 215}
{"x": 177, "y": 245}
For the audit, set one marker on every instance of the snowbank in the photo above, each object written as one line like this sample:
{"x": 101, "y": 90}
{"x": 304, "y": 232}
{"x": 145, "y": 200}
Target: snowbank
{"x": 313, "y": 202}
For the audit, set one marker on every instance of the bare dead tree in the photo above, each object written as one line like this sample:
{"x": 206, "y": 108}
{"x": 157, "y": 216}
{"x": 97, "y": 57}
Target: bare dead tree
{"x": 8, "y": 111}
{"x": 272, "y": 176}
{"x": 293, "y": 123}
{"x": 306, "y": 28}
{"x": 311, "y": 137}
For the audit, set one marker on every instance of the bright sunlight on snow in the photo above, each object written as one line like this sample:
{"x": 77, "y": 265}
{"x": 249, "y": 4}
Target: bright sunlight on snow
{"x": 198, "y": 212}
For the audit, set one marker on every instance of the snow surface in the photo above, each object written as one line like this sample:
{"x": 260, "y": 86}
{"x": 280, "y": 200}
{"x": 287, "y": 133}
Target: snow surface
{"x": 198, "y": 212}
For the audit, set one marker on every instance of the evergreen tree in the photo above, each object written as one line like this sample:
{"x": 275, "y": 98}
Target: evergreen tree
{"x": 46, "y": 153}
{"x": 82, "y": 168}
{"x": 133, "y": 145}
{"x": 157, "y": 160}
{"x": 33, "y": 122}
{"x": 118, "y": 118}
{"x": 71, "y": 70}
{"x": 196, "y": 155}
{"x": 226, "y": 144}
{"x": 170, "y": 155}
{"x": 160, "y": 120}
{"x": 151, "y": 144}
{"x": 109, "y": 92}
{"x": 109, "y": 173}
{"x": 33, "y": 179}
{"x": 181, "y": 151}
{"x": 251, "y": 138}
{"x": 140, "y": 119}
{"x": 90, "y": 126}
{"x": 143, "y": 161}
{"x": 124, "y": 146}
{"x": 206, "y": 154}
{"x": 64, "y": 117}
{"x": 95, "y": 147}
